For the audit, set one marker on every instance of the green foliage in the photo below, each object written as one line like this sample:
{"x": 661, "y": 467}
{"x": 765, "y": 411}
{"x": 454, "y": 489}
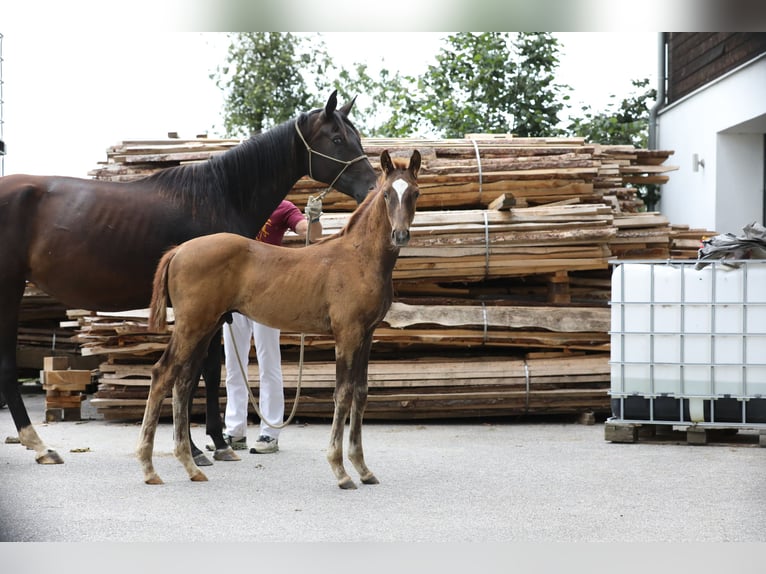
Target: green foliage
{"x": 268, "y": 78}
{"x": 390, "y": 111}
{"x": 480, "y": 82}
{"x": 487, "y": 82}
{"x": 626, "y": 123}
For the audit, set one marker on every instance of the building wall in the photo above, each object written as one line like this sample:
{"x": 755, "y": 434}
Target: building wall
{"x": 724, "y": 123}
{"x": 695, "y": 59}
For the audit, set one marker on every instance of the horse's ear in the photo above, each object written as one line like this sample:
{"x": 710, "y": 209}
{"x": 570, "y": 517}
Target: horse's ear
{"x": 386, "y": 163}
{"x": 414, "y": 166}
{"x": 332, "y": 103}
{"x": 346, "y": 109}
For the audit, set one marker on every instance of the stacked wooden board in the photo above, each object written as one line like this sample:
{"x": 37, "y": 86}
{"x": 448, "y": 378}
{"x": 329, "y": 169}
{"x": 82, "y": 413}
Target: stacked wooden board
{"x": 455, "y": 173}
{"x": 431, "y": 386}
{"x": 501, "y": 297}
{"x": 41, "y": 334}
{"x": 64, "y": 389}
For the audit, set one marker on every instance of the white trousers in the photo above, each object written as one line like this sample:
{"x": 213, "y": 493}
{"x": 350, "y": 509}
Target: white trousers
{"x": 271, "y": 399}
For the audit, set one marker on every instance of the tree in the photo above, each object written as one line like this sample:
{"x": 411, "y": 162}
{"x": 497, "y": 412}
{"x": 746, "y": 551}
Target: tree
{"x": 268, "y": 77}
{"x": 538, "y": 99}
{"x": 487, "y": 82}
{"x": 624, "y": 124}
{"x": 392, "y": 110}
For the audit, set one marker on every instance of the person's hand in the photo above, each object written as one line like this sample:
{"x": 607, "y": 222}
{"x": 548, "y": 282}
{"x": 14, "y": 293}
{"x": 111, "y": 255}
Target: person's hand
{"x": 314, "y": 209}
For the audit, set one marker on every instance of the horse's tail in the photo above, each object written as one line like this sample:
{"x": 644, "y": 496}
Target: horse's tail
{"x": 158, "y": 313}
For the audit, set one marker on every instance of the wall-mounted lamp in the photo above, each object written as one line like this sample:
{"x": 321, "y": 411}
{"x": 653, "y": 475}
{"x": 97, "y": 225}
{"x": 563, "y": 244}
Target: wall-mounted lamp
{"x": 697, "y": 162}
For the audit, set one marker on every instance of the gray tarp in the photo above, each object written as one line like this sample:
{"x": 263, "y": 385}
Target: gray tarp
{"x": 750, "y": 245}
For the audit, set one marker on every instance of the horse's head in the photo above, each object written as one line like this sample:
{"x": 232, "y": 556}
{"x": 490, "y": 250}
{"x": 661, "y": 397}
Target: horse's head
{"x": 334, "y": 153}
{"x": 401, "y": 192}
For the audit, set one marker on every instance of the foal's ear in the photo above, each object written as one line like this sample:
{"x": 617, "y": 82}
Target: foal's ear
{"x": 386, "y": 163}
{"x": 332, "y": 103}
{"x": 346, "y": 108}
{"x": 414, "y": 166}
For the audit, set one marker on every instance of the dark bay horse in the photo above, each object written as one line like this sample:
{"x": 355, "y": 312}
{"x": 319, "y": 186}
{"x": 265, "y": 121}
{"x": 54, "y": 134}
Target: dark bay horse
{"x": 340, "y": 285}
{"x": 95, "y": 245}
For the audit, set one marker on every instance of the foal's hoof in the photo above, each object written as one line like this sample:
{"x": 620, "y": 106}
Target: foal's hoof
{"x": 226, "y": 454}
{"x": 201, "y": 460}
{"x": 153, "y": 479}
{"x": 347, "y": 484}
{"x": 369, "y": 479}
{"x": 50, "y": 457}
{"x": 199, "y": 477}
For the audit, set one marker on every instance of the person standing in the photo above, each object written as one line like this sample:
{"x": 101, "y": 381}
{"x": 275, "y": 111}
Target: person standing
{"x": 236, "y": 342}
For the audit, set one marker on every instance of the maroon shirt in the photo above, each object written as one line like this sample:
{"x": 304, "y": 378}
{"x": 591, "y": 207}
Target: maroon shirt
{"x": 286, "y": 216}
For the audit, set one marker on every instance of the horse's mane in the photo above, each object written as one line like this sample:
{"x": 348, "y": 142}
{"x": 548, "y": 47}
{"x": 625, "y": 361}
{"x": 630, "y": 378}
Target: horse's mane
{"x": 235, "y": 178}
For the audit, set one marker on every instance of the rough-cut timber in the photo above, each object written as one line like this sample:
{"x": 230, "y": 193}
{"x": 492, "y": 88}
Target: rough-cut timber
{"x": 501, "y": 297}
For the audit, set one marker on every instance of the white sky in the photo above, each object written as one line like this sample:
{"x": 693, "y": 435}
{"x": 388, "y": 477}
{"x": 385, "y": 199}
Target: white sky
{"x": 68, "y": 95}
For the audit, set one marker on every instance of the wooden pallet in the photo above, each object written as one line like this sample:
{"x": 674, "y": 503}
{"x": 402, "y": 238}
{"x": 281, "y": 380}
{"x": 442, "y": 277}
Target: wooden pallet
{"x": 628, "y": 432}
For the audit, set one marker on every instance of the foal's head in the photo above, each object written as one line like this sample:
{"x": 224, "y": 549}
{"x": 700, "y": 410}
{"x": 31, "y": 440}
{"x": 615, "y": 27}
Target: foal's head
{"x": 400, "y": 191}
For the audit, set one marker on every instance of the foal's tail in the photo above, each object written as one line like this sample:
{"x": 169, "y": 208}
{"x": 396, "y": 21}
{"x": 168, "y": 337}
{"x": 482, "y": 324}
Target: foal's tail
{"x": 158, "y": 313}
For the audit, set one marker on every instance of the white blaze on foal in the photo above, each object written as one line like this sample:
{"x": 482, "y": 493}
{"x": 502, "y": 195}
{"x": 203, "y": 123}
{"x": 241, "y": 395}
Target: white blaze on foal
{"x": 400, "y": 186}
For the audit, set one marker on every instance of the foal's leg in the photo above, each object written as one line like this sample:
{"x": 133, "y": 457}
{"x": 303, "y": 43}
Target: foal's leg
{"x": 181, "y": 406}
{"x": 359, "y": 403}
{"x": 343, "y": 397}
{"x": 163, "y": 373}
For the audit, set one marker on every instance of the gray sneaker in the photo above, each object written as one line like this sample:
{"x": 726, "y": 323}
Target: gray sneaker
{"x": 265, "y": 445}
{"x": 234, "y": 443}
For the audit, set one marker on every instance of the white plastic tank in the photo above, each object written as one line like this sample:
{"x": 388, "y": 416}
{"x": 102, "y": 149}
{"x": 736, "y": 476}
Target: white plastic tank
{"x": 689, "y": 334}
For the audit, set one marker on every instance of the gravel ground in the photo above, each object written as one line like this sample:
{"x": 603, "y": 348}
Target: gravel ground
{"x": 508, "y": 482}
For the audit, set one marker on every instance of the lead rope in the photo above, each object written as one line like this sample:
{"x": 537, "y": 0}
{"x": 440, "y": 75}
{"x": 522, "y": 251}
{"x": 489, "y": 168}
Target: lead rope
{"x": 253, "y": 401}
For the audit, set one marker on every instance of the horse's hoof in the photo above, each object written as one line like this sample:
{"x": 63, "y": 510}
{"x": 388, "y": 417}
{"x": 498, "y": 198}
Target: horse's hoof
{"x": 153, "y": 479}
{"x": 199, "y": 477}
{"x": 370, "y": 479}
{"x": 226, "y": 454}
{"x": 347, "y": 484}
{"x": 50, "y": 457}
{"x": 202, "y": 460}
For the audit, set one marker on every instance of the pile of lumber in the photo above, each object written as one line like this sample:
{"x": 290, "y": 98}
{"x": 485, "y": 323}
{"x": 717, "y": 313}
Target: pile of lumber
{"x": 432, "y": 387}
{"x": 466, "y": 173}
{"x": 64, "y": 389}
{"x": 501, "y": 297}
{"x": 476, "y": 245}
{"x": 41, "y": 334}
{"x": 471, "y": 349}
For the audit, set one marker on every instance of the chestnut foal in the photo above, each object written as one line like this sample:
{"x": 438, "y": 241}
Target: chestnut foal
{"x": 340, "y": 285}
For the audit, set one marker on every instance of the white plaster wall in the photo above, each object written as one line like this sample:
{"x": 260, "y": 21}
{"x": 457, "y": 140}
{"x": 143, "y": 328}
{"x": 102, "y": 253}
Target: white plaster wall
{"x": 727, "y": 192}
{"x": 739, "y": 184}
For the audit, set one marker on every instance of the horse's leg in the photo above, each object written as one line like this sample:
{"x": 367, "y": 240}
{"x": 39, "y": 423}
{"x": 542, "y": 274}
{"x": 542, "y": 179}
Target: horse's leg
{"x": 182, "y": 390}
{"x": 359, "y": 403}
{"x": 199, "y": 457}
{"x": 163, "y": 373}
{"x": 342, "y": 396}
{"x": 211, "y": 371}
{"x": 12, "y": 290}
